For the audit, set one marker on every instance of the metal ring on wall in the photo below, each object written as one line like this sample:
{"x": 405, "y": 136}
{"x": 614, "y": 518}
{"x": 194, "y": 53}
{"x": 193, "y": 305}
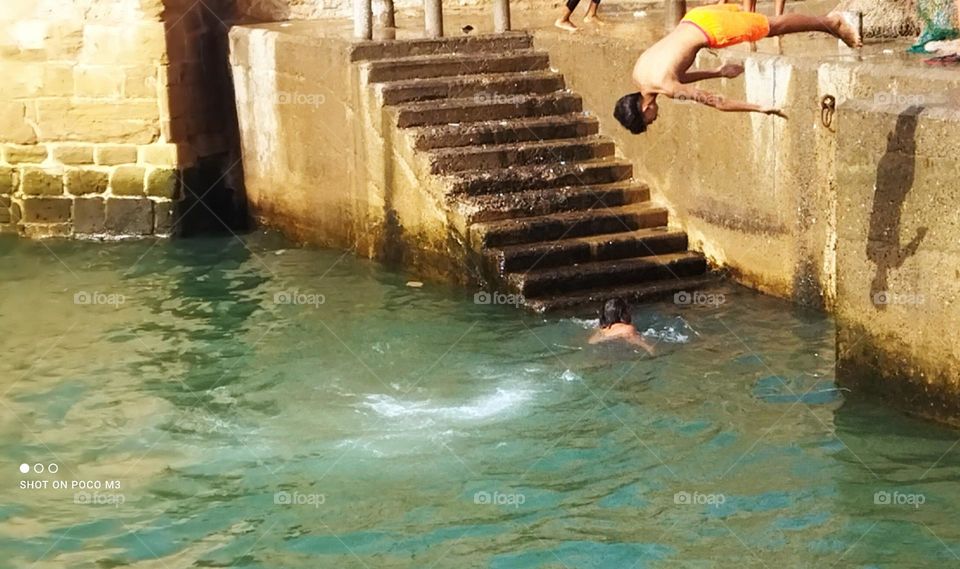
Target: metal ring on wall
{"x": 828, "y": 105}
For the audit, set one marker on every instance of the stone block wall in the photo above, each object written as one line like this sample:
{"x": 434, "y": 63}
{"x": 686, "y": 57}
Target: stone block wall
{"x": 104, "y": 104}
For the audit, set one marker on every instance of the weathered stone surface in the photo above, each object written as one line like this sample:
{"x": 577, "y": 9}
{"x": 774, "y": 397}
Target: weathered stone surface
{"x": 46, "y": 230}
{"x": 140, "y": 82}
{"x": 25, "y": 154}
{"x": 41, "y": 182}
{"x": 81, "y": 181}
{"x": 13, "y": 125}
{"x": 5, "y": 203}
{"x": 72, "y": 153}
{"x": 98, "y": 81}
{"x": 111, "y": 154}
{"x": 24, "y": 80}
{"x": 134, "y": 122}
{"x": 129, "y": 216}
{"x": 164, "y": 220}
{"x": 8, "y": 180}
{"x": 162, "y": 183}
{"x": 89, "y": 215}
{"x": 131, "y": 44}
{"x": 46, "y": 210}
{"x": 127, "y": 181}
{"x": 64, "y": 37}
{"x": 159, "y": 155}
{"x": 16, "y": 212}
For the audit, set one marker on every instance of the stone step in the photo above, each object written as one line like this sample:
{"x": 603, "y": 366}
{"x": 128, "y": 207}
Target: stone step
{"x": 551, "y": 127}
{"x": 519, "y": 154}
{"x": 521, "y": 178}
{"x": 502, "y": 87}
{"x": 633, "y": 293}
{"x": 566, "y": 225}
{"x": 605, "y": 247}
{"x": 467, "y": 110}
{"x": 482, "y": 43}
{"x": 440, "y": 65}
{"x": 641, "y": 270}
{"x": 493, "y": 207}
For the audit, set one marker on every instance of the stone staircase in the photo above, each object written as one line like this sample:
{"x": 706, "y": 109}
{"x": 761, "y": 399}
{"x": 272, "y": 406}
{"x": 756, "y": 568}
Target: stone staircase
{"x": 539, "y": 194}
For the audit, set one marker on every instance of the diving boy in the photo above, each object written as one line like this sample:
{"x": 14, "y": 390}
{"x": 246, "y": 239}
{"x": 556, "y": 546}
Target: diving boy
{"x": 664, "y": 69}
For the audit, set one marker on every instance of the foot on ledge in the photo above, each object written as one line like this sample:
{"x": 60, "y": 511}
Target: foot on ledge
{"x": 845, "y": 30}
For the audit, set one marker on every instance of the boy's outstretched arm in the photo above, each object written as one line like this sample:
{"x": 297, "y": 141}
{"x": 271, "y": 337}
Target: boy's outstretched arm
{"x": 685, "y": 93}
{"x": 728, "y": 70}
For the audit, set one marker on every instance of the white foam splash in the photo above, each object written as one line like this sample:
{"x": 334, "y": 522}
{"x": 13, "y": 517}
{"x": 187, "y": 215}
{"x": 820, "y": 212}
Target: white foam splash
{"x": 586, "y": 323}
{"x": 570, "y": 376}
{"x": 677, "y": 332}
{"x": 498, "y": 403}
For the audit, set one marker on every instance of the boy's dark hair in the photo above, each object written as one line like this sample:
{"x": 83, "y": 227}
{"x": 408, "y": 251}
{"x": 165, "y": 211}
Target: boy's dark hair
{"x": 614, "y": 311}
{"x": 627, "y": 112}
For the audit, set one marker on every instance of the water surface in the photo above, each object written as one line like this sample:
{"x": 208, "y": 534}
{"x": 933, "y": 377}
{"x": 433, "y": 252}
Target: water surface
{"x": 257, "y": 405}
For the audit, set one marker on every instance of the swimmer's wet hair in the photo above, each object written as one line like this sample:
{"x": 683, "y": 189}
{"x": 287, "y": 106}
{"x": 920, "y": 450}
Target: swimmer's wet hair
{"x": 627, "y": 111}
{"x": 615, "y": 311}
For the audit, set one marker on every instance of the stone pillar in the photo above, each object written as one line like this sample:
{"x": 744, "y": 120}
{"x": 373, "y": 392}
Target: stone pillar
{"x": 501, "y": 16}
{"x": 675, "y": 11}
{"x": 433, "y": 18}
{"x": 385, "y": 15}
{"x": 363, "y": 19}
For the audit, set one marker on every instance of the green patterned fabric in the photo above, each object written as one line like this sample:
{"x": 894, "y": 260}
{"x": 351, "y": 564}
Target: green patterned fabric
{"x": 937, "y": 18}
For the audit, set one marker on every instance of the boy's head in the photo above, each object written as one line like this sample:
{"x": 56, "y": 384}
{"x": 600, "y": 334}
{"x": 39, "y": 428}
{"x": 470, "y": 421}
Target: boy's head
{"x": 630, "y": 113}
{"x": 614, "y": 311}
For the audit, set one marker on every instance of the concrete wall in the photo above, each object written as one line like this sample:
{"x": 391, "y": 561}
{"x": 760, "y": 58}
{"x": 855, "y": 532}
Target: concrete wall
{"x": 898, "y": 254}
{"x": 103, "y": 104}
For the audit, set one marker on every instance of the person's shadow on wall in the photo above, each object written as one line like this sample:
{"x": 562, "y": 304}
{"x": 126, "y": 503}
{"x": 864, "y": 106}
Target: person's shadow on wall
{"x": 895, "y": 177}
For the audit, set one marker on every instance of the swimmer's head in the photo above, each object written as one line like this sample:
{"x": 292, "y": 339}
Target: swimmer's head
{"x": 630, "y": 112}
{"x": 614, "y": 311}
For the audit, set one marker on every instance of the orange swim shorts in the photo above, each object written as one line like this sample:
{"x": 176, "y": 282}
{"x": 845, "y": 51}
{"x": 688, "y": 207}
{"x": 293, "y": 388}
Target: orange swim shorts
{"x": 727, "y": 24}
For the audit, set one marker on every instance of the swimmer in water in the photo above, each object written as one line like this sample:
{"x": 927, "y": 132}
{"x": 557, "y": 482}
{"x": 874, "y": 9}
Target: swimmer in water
{"x": 616, "y": 324}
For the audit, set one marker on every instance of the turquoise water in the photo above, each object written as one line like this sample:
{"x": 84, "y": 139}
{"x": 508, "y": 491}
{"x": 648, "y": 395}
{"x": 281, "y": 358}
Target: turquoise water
{"x": 243, "y": 403}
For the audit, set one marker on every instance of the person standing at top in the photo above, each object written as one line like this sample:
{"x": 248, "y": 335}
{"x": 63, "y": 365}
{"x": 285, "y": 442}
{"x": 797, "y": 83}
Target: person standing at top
{"x": 564, "y": 23}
